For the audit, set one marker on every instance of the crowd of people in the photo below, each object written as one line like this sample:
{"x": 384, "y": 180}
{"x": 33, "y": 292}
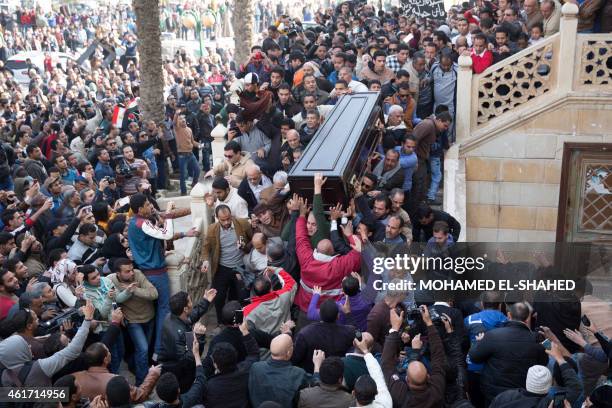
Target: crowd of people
{"x": 84, "y": 287}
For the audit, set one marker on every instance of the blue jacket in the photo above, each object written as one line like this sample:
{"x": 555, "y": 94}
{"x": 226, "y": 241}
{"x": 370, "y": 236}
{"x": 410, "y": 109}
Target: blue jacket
{"x": 148, "y": 252}
{"x": 481, "y": 322}
{"x": 276, "y": 380}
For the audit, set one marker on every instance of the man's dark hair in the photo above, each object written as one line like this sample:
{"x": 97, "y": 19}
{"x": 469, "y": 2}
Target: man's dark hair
{"x": 87, "y": 270}
{"x": 404, "y": 85}
{"x": 423, "y": 211}
{"x": 365, "y": 390}
{"x": 227, "y": 313}
{"x": 87, "y": 229}
{"x": 502, "y": 29}
{"x": 95, "y": 354}
{"x": 342, "y": 56}
{"x": 225, "y": 357}
{"x": 30, "y": 148}
{"x": 407, "y": 136}
{"x": 329, "y": 311}
{"x": 332, "y": 370}
{"x": 261, "y": 286}
{"x": 67, "y": 381}
{"x": 379, "y": 53}
{"x": 442, "y": 36}
{"x": 11, "y": 263}
{"x": 371, "y": 176}
{"x": 383, "y": 198}
{"x": 491, "y": 300}
{"x": 444, "y": 117}
{"x": 350, "y": 286}
{"x": 233, "y": 146}
{"x": 8, "y": 215}
{"x": 119, "y": 262}
{"x": 167, "y": 387}
{"x": 480, "y": 36}
{"x": 519, "y": 311}
{"x": 137, "y": 201}
{"x": 402, "y": 73}
{"x": 118, "y": 392}
{"x": 178, "y": 302}
{"x": 400, "y": 219}
{"x": 342, "y": 82}
{"x": 277, "y": 69}
{"x": 374, "y": 81}
{"x": 486, "y": 22}
{"x": 440, "y": 226}
{"x": 5, "y": 237}
{"x": 222, "y": 207}
{"x": 403, "y": 47}
{"x": 55, "y": 255}
{"x": 220, "y": 183}
{"x": 284, "y": 85}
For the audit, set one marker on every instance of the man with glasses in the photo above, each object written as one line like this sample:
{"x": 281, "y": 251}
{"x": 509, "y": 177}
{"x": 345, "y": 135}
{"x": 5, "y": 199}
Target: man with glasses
{"x": 233, "y": 167}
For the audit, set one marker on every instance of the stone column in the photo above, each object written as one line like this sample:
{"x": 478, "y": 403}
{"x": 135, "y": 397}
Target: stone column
{"x": 567, "y": 48}
{"x": 463, "y": 116}
{"x": 454, "y": 188}
{"x": 218, "y": 143}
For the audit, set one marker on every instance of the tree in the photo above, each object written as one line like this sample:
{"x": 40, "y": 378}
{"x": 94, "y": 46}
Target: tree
{"x": 150, "y": 60}
{"x": 242, "y": 22}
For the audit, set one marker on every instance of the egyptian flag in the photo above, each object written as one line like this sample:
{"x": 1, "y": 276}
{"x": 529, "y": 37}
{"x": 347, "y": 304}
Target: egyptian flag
{"x": 124, "y": 114}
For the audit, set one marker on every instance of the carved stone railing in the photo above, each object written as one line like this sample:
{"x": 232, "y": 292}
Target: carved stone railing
{"x": 518, "y": 81}
{"x": 512, "y": 82}
{"x": 594, "y": 51}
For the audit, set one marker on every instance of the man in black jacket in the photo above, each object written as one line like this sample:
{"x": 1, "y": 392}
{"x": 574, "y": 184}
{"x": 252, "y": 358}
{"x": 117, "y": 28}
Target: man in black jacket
{"x": 229, "y": 386}
{"x": 203, "y": 122}
{"x": 507, "y": 353}
{"x": 425, "y": 219}
{"x": 174, "y": 353}
{"x": 168, "y": 389}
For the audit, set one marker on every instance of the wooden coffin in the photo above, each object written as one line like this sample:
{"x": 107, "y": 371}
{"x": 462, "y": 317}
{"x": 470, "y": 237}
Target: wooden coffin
{"x": 340, "y": 149}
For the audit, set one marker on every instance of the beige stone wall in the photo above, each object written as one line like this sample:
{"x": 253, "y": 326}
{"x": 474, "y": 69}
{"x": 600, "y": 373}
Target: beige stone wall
{"x": 512, "y": 180}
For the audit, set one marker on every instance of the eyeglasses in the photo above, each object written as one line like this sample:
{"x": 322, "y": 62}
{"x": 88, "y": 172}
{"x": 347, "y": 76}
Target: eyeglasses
{"x": 228, "y": 156}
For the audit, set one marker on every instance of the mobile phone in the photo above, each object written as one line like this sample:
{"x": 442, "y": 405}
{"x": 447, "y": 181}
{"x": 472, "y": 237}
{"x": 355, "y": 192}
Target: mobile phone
{"x": 238, "y": 316}
{"x": 547, "y": 344}
{"x": 123, "y": 201}
{"x": 358, "y": 335}
{"x": 559, "y": 399}
{"x": 344, "y": 221}
{"x": 115, "y": 305}
{"x": 585, "y": 320}
{"x": 87, "y": 208}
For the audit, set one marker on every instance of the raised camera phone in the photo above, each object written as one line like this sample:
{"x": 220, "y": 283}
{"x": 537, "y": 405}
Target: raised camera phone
{"x": 547, "y": 344}
{"x": 238, "y": 316}
{"x": 585, "y": 320}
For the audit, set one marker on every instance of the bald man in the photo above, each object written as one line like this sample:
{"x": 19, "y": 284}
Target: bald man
{"x": 320, "y": 267}
{"x": 251, "y": 187}
{"x": 354, "y": 363}
{"x": 421, "y": 389}
{"x": 277, "y": 379}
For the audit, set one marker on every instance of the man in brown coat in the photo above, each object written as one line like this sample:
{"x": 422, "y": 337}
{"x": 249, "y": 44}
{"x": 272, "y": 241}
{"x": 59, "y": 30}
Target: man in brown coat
{"x": 222, "y": 253}
{"x": 92, "y": 381}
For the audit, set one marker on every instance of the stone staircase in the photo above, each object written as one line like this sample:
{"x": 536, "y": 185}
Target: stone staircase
{"x": 502, "y": 176}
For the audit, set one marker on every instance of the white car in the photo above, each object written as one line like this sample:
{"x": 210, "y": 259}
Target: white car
{"x": 19, "y": 67}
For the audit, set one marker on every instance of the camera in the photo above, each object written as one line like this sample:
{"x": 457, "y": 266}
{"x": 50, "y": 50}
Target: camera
{"x": 414, "y": 315}
{"x": 72, "y": 314}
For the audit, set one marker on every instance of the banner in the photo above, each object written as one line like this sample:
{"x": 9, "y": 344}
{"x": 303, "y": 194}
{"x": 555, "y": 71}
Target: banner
{"x": 433, "y": 9}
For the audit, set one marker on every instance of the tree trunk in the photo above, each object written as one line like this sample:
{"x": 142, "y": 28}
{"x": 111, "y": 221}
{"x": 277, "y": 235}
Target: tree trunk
{"x": 149, "y": 50}
{"x": 242, "y": 23}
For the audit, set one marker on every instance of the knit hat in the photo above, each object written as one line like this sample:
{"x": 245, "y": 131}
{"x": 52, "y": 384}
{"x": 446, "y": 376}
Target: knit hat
{"x": 539, "y": 379}
{"x": 251, "y": 78}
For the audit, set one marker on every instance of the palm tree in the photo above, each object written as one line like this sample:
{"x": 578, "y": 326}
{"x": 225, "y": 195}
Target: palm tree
{"x": 242, "y": 23}
{"x": 149, "y": 49}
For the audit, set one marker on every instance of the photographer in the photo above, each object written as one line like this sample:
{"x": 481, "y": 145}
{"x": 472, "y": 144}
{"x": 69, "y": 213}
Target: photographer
{"x": 421, "y": 389}
{"x": 15, "y": 354}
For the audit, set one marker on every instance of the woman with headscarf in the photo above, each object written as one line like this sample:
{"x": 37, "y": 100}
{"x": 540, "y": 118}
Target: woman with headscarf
{"x": 15, "y": 353}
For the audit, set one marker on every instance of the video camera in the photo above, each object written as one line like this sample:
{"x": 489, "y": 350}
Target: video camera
{"x": 73, "y": 314}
